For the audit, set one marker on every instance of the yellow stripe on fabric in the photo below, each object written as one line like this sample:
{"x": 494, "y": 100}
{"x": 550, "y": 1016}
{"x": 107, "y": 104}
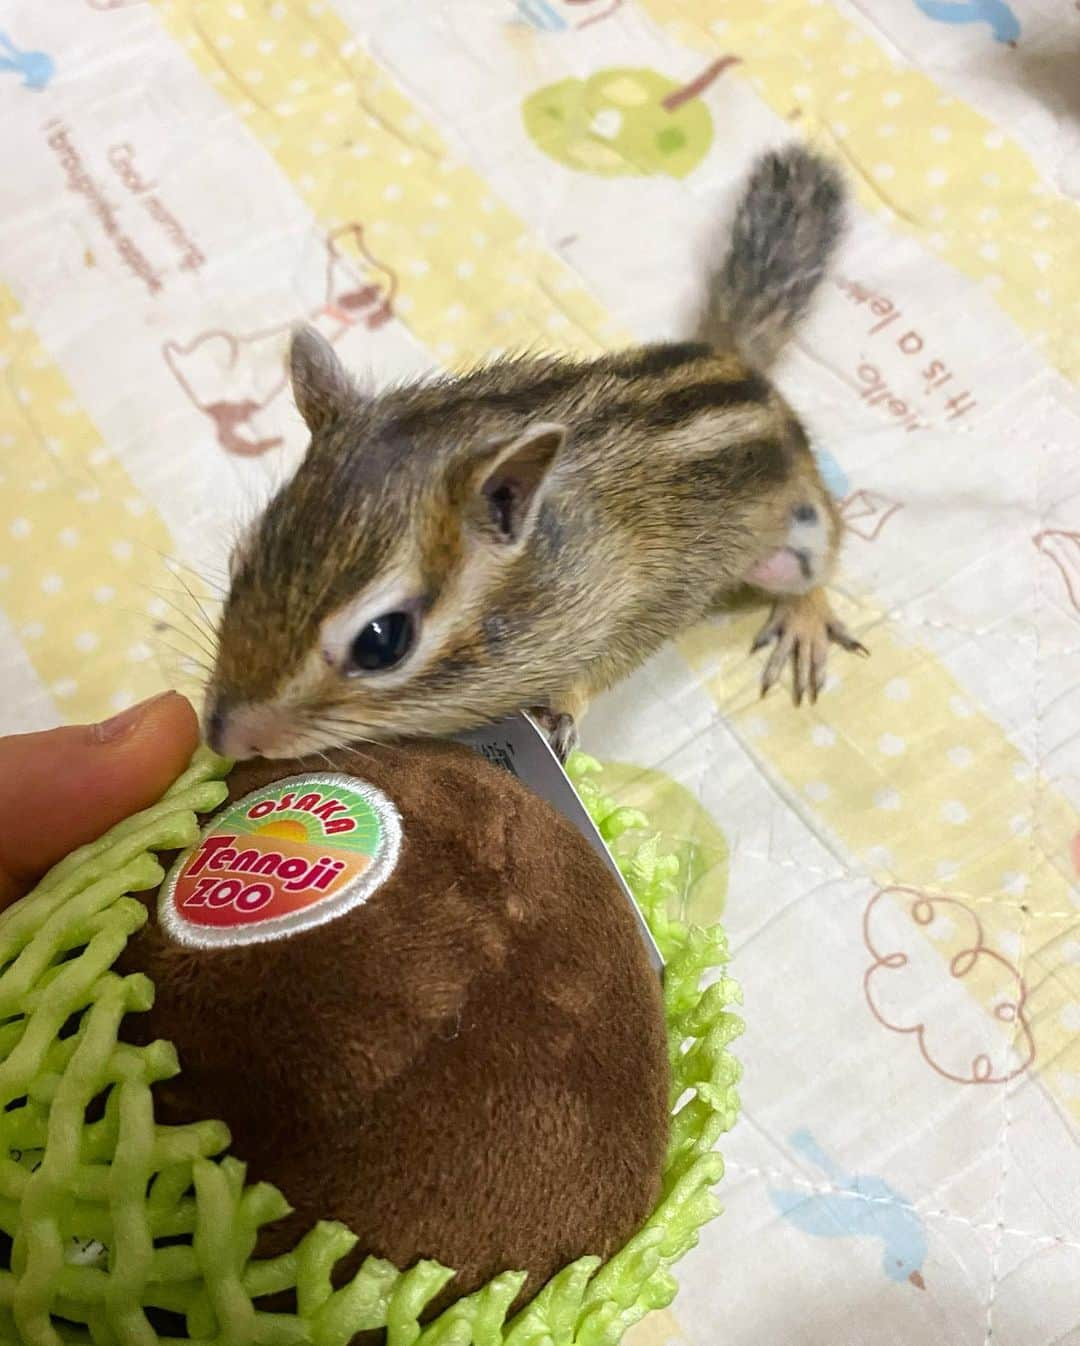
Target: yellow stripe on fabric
{"x": 471, "y": 278}
{"x": 898, "y": 765}
{"x": 82, "y": 551}
{"x": 927, "y": 161}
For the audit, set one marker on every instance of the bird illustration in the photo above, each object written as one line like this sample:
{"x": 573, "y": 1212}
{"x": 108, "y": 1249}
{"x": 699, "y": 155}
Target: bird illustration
{"x": 832, "y": 474}
{"x": 867, "y": 512}
{"x": 1063, "y": 549}
{"x": 1003, "y": 22}
{"x": 36, "y": 67}
{"x": 559, "y": 17}
{"x": 859, "y": 1207}
{"x": 539, "y": 14}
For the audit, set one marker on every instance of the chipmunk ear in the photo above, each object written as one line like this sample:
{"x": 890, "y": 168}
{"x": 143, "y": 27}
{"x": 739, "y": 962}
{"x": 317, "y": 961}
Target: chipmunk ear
{"x": 512, "y": 480}
{"x": 320, "y": 383}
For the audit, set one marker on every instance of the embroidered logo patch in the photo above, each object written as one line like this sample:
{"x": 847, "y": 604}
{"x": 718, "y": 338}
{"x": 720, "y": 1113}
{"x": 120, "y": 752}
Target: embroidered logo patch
{"x": 290, "y": 856}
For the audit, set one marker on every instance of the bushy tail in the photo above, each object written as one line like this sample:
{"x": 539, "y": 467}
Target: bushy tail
{"x": 787, "y": 224}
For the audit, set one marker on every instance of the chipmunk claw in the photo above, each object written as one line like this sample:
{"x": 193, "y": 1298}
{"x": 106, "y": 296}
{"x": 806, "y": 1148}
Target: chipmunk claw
{"x": 801, "y": 629}
{"x": 765, "y": 636}
{"x": 558, "y": 728}
{"x": 777, "y": 660}
{"x": 840, "y": 635}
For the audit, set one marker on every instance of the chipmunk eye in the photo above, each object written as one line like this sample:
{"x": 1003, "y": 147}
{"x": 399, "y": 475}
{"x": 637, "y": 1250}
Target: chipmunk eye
{"x": 382, "y": 644}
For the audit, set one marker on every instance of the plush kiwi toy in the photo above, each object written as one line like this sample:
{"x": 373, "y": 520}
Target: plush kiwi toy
{"x": 417, "y": 1005}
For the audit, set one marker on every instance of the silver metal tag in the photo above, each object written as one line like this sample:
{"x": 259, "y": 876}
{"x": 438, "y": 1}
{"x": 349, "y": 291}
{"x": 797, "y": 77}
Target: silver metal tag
{"x": 520, "y": 747}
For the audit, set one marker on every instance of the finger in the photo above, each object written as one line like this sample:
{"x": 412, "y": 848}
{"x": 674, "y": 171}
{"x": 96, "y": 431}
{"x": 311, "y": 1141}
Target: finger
{"x": 777, "y": 660}
{"x": 819, "y": 659}
{"x": 841, "y": 636}
{"x": 64, "y": 787}
{"x": 565, "y": 738}
{"x": 768, "y": 633}
{"x": 800, "y": 681}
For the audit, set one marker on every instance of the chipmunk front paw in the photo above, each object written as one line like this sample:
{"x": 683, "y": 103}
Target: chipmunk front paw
{"x": 802, "y": 628}
{"x": 559, "y": 728}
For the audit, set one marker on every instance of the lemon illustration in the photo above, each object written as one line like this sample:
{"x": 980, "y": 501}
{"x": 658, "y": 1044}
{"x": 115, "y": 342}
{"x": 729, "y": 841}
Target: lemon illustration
{"x": 624, "y": 122}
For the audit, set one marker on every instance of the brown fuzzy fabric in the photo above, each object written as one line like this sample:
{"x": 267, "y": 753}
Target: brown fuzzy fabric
{"x": 471, "y": 1066}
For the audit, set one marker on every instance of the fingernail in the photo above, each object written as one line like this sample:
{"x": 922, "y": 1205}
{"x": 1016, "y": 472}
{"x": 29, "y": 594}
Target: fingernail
{"x": 117, "y": 726}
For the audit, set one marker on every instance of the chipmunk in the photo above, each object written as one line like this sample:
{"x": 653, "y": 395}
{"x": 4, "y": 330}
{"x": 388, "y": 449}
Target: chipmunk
{"x": 525, "y": 535}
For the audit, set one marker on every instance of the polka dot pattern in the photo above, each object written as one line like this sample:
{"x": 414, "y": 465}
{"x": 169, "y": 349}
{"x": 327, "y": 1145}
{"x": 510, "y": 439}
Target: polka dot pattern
{"x": 901, "y": 766}
{"x": 80, "y": 560}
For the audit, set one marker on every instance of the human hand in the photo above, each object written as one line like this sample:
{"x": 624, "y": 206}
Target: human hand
{"x": 63, "y": 787}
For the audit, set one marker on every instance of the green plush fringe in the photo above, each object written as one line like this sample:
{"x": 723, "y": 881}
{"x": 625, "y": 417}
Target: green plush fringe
{"x": 121, "y": 1183}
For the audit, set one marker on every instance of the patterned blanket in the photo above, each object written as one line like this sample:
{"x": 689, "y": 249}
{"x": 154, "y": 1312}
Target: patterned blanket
{"x": 429, "y": 182}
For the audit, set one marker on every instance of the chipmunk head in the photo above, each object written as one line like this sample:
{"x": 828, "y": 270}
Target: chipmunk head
{"x": 358, "y": 601}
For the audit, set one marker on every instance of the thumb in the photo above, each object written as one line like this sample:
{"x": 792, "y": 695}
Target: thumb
{"x": 64, "y": 787}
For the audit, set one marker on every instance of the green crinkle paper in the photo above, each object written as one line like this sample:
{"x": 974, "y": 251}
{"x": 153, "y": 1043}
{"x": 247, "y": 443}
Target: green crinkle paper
{"x": 111, "y": 1217}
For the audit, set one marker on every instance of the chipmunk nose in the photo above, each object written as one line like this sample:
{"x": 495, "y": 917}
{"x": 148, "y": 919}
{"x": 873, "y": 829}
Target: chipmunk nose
{"x": 241, "y": 731}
